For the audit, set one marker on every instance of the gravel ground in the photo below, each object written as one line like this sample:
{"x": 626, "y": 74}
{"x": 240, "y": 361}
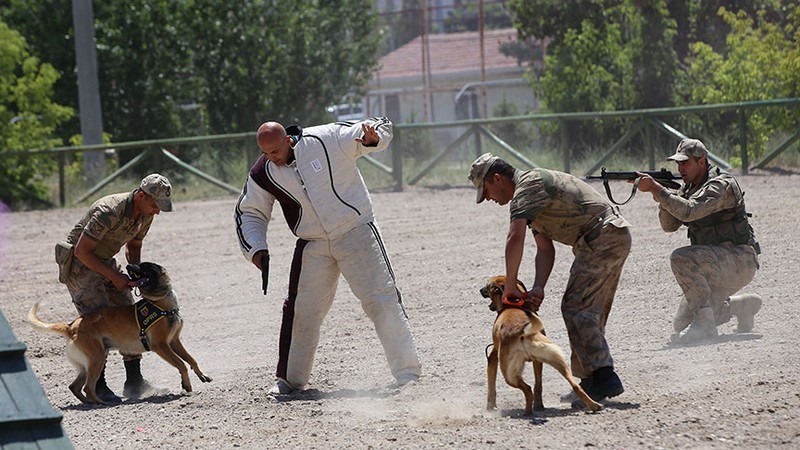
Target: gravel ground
{"x": 738, "y": 392}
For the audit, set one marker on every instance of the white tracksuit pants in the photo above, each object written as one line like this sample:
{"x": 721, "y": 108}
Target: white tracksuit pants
{"x": 359, "y": 255}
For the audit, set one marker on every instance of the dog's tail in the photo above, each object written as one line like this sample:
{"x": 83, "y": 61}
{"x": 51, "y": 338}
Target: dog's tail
{"x": 37, "y": 324}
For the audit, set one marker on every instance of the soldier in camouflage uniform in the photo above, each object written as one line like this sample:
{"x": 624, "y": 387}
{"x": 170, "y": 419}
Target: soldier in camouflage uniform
{"x": 559, "y": 207}
{"x": 722, "y": 257}
{"x": 94, "y": 278}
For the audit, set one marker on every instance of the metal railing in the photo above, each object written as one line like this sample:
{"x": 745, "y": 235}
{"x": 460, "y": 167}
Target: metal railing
{"x": 654, "y": 118}
{"x": 479, "y": 130}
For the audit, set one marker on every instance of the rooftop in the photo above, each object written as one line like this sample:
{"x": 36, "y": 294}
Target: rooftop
{"x": 450, "y": 53}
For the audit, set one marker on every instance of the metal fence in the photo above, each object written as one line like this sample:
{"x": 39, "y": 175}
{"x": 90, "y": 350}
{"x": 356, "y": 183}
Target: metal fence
{"x": 412, "y": 160}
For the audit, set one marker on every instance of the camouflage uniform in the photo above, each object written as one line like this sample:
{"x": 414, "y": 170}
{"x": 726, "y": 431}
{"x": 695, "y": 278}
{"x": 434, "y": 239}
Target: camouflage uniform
{"x": 110, "y": 222}
{"x": 723, "y": 256}
{"x": 567, "y": 210}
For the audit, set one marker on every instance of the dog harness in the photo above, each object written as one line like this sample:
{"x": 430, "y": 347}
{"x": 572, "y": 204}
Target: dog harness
{"x": 147, "y": 314}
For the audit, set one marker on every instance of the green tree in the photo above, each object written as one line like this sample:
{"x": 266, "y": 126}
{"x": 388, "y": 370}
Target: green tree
{"x": 142, "y": 61}
{"x": 259, "y": 60}
{"x": 144, "y": 66}
{"x": 464, "y": 17}
{"x": 241, "y": 61}
{"x": 760, "y": 61}
{"x": 603, "y": 55}
{"x": 49, "y": 37}
{"x": 28, "y": 118}
{"x": 408, "y": 24}
{"x": 517, "y": 134}
{"x": 698, "y": 21}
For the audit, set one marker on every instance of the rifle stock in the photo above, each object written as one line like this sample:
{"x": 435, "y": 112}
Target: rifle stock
{"x": 663, "y": 176}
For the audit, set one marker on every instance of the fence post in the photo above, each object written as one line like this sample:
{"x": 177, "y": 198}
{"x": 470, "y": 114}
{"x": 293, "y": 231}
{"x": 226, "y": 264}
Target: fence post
{"x": 565, "y": 143}
{"x": 650, "y": 143}
{"x": 397, "y": 166}
{"x": 62, "y": 160}
{"x": 478, "y": 147}
{"x": 743, "y": 140}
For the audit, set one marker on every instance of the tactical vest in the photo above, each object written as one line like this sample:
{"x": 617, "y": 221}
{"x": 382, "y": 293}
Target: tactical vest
{"x": 728, "y": 225}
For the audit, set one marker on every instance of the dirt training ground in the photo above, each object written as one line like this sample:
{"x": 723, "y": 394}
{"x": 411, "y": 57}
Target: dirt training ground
{"x": 739, "y": 392}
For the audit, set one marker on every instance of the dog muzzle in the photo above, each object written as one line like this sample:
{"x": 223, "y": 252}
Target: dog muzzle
{"x": 136, "y": 275}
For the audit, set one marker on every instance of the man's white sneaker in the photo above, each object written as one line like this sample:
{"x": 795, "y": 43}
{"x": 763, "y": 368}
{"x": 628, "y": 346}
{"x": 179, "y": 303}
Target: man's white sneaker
{"x": 407, "y": 378}
{"x": 282, "y": 387}
{"x": 569, "y": 397}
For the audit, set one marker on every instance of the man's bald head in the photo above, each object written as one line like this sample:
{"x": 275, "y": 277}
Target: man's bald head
{"x": 274, "y": 142}
{"x": 269, "y": 133}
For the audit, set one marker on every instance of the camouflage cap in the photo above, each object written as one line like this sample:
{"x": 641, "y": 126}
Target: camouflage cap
{"x": 158, "y": 187}
{"x": 689, "y": 148}
{"x": 478, "y": 171}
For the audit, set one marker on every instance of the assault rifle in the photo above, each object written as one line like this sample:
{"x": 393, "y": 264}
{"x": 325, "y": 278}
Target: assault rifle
{"x": 663, "y": 176}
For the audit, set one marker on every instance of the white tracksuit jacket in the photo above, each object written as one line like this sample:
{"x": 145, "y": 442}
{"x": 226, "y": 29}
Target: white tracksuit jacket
{"x": 327, "y": 206}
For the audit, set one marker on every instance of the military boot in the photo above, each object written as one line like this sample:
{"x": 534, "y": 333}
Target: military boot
{"x": 703, "y": 327}
{"x": 683, "y": 317}
{"x": 745, "y": 307}
{"x": 605, "y": 384}
{"x": 103, "y": 391}
{"x": 135, "y": 385}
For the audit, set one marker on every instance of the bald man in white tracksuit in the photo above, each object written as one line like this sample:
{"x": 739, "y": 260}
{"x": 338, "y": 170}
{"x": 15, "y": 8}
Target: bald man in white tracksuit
{"x": 312, "y": 174}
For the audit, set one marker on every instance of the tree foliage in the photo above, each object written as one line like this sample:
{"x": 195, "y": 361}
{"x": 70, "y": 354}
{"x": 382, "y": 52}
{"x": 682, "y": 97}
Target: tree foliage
{"x": 759, "y": 61}
{"x": 28, "y": 117}
{"x": 603, "y": 55}
{"x": 630, "y": 54}
{"x": 256, "y": 62}
{"x": 230, "y": 64}
{"x": 466, "y": 18}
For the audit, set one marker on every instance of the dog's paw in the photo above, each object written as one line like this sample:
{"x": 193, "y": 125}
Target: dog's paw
{"x": 204, "y": 378}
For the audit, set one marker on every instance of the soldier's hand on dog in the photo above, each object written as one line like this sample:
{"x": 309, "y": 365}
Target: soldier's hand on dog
{"x": 121, "y": 281}
{"x": 513, "y": 293}
{"x": 535, "y": 295}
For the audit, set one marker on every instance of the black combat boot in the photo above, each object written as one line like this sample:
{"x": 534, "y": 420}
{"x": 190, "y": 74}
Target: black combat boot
{"x": 103, "y": 391}
{"x": 604, "y": 384}
{"x": 135, "y": 385}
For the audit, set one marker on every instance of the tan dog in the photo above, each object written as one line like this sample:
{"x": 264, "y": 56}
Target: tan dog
{"x": 518, "y": 337}
{"x": 92, "y": 335}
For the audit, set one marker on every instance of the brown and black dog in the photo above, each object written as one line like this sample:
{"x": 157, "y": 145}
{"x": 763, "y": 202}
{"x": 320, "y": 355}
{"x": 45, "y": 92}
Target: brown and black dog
{"x": 89, "y": 337}
{"x": 518, "y": 337}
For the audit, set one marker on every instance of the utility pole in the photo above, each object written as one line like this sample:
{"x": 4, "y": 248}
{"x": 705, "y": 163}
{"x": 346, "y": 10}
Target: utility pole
{"x": 484, "y": 93}
{"x": 89, "y": 111}
{"x": 423, "y": 28}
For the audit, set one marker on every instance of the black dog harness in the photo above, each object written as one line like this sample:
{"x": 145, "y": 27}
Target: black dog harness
{"x": 147, "y": 314}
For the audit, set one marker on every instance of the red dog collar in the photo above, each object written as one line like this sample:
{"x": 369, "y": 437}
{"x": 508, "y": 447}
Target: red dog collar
{"x": 517, "y": 304}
